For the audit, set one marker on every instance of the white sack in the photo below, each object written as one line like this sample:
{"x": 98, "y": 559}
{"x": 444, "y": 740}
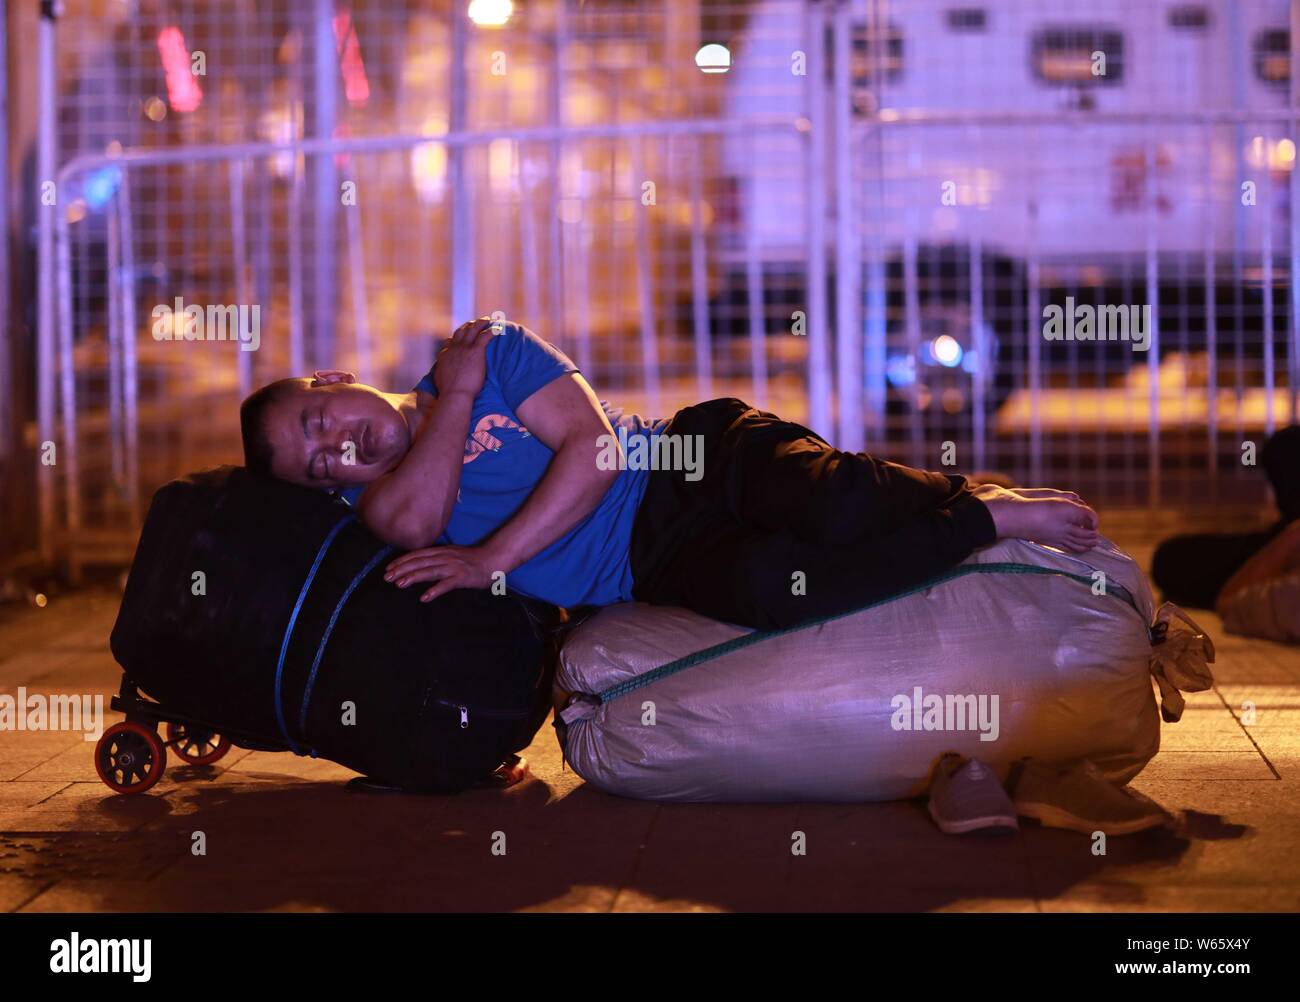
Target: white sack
{"x": 811, "y": 714}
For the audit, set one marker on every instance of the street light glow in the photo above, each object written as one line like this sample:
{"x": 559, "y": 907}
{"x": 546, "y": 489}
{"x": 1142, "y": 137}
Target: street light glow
{"x": 713, "y": 58}
{"x": 490, "y": 13}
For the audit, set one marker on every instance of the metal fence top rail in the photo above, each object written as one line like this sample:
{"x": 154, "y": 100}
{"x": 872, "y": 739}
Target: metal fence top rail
{"x": 386, "y": 144}
{"x": 925, "y": 116}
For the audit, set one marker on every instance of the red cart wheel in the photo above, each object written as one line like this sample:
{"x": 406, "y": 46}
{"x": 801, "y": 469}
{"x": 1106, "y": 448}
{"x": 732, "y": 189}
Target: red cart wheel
{"x": 130, "y": 757}
{"x": 195, "y": 745}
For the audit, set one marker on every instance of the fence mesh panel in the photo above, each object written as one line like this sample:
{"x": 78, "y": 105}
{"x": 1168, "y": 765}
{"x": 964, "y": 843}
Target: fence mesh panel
{"x": 859, "y": 224}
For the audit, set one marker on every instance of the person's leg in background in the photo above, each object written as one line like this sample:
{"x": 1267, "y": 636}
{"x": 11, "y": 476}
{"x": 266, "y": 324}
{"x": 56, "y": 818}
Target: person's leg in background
{"x": 1191, "y": 569}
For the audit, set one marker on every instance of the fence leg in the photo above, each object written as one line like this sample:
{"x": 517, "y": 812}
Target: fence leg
{"x": 848, "y": 265}
{"x": 46, "y": 157}
{"x": 819, "y": 383}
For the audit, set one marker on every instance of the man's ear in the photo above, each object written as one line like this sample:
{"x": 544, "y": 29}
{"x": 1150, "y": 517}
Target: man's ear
{"x": 323, "y": 377}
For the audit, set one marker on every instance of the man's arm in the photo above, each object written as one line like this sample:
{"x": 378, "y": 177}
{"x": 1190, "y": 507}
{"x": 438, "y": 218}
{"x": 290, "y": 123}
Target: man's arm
{"x": 568, "y": 419}
{"x": 411, "y": 505}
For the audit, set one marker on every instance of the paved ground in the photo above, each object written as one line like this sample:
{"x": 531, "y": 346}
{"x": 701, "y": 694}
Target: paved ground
{"x": 284, "y": 833}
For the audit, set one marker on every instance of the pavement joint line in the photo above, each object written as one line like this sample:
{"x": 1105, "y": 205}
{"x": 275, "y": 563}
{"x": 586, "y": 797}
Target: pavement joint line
{"x": 1034, "y": 891}
{"x": 24, "y": 903}
{"x": 1250, "y": 736}
{"x": 789, "y": 863}
{"x": 640, "y": 853}
{"x": 19, "y": 777}
{"x": 69, "y": 785}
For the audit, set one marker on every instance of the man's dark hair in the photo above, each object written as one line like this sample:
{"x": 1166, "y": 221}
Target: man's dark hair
{"x": 252, "y": 424}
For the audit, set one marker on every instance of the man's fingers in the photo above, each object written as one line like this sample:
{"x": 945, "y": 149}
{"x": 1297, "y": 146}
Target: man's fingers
{"x": 471, "y": 326}
{"x": 441, "y": 588}
{"x": 404, "y": 569}
{"x": 410, "y": 571}
{"x": 429, "y": 574}
{"x": 467, "y": 330}
{"x": 480, "y": 334}
{"x": 408, "y": 559}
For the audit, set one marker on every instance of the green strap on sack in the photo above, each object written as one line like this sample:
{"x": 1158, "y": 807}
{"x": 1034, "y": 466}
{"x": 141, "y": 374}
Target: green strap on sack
{"x": 758, "y": 636}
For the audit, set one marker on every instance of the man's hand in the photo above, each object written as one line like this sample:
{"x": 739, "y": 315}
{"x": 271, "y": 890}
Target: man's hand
{"x": 461, "y": 364}
{"x": 450, "y": 566}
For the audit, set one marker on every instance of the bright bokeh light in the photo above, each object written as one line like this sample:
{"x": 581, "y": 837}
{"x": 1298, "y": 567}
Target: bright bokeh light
{"x": 945, "y": 350}
{"x": 429, "y": 163}
{"x": 490, "y": 13}
{"x": 713, "y": 58}
{"x": 900, "y": 369}
{"x": 101, "y": 185}
{"x": 1276, "y": 156}
{"x": 282, "y": 124}
{"x": 501, "y": 165}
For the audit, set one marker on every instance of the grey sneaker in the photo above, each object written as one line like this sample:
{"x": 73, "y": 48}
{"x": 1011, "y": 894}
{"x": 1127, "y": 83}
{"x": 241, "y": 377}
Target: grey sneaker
{"x": 1078, "y": 797}
{"x": 965, "y": 796}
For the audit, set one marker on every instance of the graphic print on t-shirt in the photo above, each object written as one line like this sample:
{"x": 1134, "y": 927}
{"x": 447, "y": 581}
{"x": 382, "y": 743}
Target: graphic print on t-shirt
{"x": 481, "y": 438}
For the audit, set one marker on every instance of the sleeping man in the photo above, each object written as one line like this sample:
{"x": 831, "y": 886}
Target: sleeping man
{"x": 502, "y": 465}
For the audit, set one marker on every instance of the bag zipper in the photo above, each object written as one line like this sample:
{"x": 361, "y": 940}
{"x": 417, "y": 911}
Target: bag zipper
{"x": 499, "y": 714}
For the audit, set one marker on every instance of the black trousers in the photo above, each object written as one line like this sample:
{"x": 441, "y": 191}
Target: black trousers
{"x": 781, "y": 528}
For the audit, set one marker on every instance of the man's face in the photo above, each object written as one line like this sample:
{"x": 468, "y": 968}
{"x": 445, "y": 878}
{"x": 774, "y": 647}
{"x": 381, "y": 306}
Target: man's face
{"x": 334, "y": 434}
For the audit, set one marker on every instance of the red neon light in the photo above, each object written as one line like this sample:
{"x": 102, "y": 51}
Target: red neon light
{"x": 183, "y": 91}
{"x": 355, "y": 85}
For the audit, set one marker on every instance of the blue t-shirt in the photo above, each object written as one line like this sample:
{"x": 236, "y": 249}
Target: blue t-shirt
{"x": 503, "y": 463}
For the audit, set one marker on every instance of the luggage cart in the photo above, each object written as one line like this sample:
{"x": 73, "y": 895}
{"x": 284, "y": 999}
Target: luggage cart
{"x": 131, "y": 756}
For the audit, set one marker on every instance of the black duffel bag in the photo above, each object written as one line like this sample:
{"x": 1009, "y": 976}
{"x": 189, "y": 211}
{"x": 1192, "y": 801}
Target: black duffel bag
{"x": 260, "y": 607}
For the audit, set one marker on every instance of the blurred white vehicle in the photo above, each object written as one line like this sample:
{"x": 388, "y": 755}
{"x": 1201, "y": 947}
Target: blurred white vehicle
{"x": 1099, "y": 150}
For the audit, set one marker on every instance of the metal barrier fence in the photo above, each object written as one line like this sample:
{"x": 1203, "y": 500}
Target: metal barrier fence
{"x": 858, "y": 225}
{"x": 140, "y": 400}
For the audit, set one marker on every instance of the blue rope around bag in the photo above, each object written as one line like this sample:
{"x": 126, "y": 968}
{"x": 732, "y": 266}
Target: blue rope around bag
{"x": 293, "y": 619}
{"x": 329, "y": 628}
